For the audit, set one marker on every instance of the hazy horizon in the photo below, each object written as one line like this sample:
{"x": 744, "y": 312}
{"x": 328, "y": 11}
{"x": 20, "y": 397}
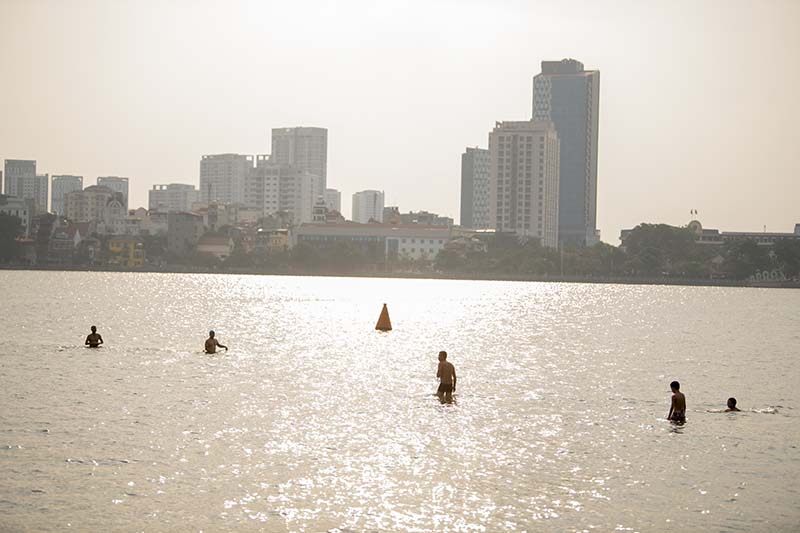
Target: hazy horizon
{"x": 698, "y": 102}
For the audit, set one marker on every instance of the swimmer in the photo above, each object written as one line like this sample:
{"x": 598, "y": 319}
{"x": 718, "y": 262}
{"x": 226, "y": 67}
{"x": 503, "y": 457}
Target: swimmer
{"x": 732, "y": 406}
{"x": 212, "y": 343}
{"x": 447, "y": 378}
{"x": 93, "y": 339}
{"x": 677, "y": 410}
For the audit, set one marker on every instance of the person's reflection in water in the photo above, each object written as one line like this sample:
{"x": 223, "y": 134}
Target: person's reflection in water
{"x": 447, "y": 379}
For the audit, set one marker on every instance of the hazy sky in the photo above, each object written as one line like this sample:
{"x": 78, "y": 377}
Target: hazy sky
{"x": 699, "y": 102}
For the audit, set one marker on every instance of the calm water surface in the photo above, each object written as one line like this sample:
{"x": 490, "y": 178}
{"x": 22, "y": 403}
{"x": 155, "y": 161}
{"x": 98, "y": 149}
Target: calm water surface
{"x": 315, "y": 422}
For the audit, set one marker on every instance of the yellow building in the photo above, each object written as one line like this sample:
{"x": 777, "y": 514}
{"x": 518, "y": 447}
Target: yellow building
{"x": 126, "y": 251}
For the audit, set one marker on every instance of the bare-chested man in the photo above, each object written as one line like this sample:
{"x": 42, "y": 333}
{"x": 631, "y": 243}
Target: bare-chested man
{"x": 732, "y": 406}
{"x": 447, "y": 378}
{"x": 212, "y": 343}
{"x": 677, "y": 410}
{"x": 93, "y": 339}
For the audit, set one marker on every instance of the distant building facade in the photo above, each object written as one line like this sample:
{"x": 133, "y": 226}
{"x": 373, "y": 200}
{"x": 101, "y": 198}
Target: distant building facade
{"x": 172, "y": 197}
{"x": 569, "y": 97}
{"x": 222, "y": 177}
{"x": 333, "y": 200}
{"x": 61, "y": 185}
{"x": 524, "y": 180}
{"x": 475, "y": 189}
{"x": 218, "y": 246}
{"x": 183, "y": 232}
{"x": 381, "y": 241}
{"x": 392, "y": 215}
{"x": 20, "y": 208}
{"x": 21, "y": 180}
{"x": 15, "y": 173}
{"x": 272, "y": 188}
{"x": 97, "y": 204}
{"x": 304, "y": 148}
{"x": 368, "y": 205}
{"x": 126, "y": 251}
{"x": 715, "y": 237}
{"x": 116, "y": 184}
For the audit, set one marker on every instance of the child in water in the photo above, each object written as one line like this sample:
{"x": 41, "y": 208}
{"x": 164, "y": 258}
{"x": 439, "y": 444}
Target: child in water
{"x": 732, "y": 405}
{"x": 447, "y": 378}
{"x": 677, "y": 409}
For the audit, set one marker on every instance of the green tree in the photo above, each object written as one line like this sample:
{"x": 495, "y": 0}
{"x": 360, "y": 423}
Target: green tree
{"x": 787, "y": 253}
{"x": 10, "y": 228}
{"x": 744, "y": 258}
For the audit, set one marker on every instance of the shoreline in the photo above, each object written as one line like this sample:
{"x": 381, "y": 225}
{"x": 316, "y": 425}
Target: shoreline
{"x": 177, "y": 269}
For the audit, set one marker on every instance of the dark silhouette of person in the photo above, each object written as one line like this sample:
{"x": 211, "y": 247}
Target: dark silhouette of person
{"x": 732, "y": 405}
{"x": 212, "y": 343}
{"x": 447, "y": 378}
{"x": 94, "y": 339}
{"x": 677, "y": 409}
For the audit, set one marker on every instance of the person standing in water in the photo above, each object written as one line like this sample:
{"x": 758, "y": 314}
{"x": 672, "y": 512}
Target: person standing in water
{"x": 677, "y": 409}
{"x": 93, "y": 339}
{"x": 447, "y": 378}
{"x": 212, "y": 343}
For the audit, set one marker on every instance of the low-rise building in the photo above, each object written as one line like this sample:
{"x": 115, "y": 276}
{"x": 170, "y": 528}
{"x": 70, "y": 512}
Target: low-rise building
{"x": 271, "y": 241}
{"x": 219, "y": 246}
{"x": 97, "y": 204}
{"x": 126, "y": 251}
{"x": 389, "y": 241}
{"x": 20, "y": 208}
{"x": 392, "y": 215}
{"x": 183, "y": 232}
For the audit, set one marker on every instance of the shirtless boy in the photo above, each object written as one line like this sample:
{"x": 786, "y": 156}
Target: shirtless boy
{"x": 677, "y": 410}
{"x": 447, "y": 378}
{"x": 732, "y": 405}
{"x": 93, "y": 339}
{"x": 212, "y": 343}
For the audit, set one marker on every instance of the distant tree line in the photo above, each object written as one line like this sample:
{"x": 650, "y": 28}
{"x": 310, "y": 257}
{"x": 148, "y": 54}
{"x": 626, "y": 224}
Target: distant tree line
{"x": 651, "y": 251}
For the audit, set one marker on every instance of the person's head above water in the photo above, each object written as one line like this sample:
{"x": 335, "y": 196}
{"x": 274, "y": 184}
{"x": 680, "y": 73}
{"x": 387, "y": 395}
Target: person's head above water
{"x": 94, "y": 329}
{"x": 675, "y": 385}
{"x": 731, "y": 403}
{"x": 442, "y": 355}
{"x": 211, "y": 333}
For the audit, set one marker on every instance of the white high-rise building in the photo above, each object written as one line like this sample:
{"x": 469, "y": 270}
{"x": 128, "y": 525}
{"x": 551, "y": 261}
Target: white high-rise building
{"x": 271, "y": 188}
{"x": 524, "y": 180}
{"x": 569, "y": 96}
{"x": 304, "y": 148}
{"x": 333, "y": 200}
{"x": 116, "y": 184}
{"x": 16, "y": 172}
{"x": 62, "y": 185}
{"x": 368, "y": 205}
{"x": 22, "y": 181}
{"x": 222, "y": 178}
{"x": 172, "y": 197}
{"x": 475, "y": 189}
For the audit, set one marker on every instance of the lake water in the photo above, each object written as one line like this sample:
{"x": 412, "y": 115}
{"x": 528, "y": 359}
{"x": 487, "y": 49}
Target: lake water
{"x": 313, "y": 421}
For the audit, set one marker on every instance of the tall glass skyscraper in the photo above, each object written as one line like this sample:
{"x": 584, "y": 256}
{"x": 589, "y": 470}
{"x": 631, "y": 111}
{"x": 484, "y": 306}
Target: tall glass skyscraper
{"x": 569, "y": 96}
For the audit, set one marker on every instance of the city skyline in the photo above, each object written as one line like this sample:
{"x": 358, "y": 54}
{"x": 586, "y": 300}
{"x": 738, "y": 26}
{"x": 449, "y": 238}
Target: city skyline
{"x": 664, "y": 148}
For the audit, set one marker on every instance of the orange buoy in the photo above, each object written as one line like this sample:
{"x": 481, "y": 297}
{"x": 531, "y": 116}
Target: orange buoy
{"x": 384, "y": 324}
